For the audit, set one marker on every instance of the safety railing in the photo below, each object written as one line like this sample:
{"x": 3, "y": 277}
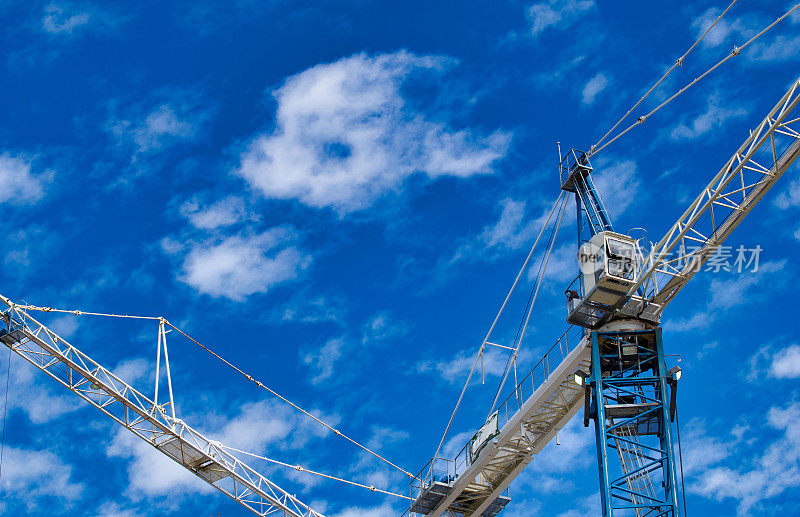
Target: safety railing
{"x": 445, "y": 470}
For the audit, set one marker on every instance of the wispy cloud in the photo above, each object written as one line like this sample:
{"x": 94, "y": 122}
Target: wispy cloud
{"x": 163, "y": 126}
{"x": 786, "y": 363}
{"x": 223, "y": 213}
{"x": 593, "y": 88}
{"x": 20, "y": 185}
{"x": 39, "y": 478}
{"x": 556, "y": 13}
{"x": 69, "y": 19}
{"x": 345, "y": 135}
{"x": 764, "y": 475}
{"x": 790, "y": 197}
{"x": 723, "y": 32}
{"x": 726, "y": 294}
{"x": 714, "y": 117}
{"x": 238, "y": 266}
{"x": 353, "y": 347}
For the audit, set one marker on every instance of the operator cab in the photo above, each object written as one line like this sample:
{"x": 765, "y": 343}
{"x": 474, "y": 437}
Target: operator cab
{"x": 609, "y": 267}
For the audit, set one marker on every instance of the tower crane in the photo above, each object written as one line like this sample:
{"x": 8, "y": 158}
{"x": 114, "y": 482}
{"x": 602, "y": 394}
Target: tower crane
{"x": 610, "y": 361}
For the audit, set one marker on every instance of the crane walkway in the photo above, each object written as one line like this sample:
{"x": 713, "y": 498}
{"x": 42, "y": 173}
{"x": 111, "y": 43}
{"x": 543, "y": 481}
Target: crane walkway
{"x": 475, "y": 482}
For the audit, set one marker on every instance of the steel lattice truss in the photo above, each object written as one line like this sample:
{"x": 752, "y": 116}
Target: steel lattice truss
{"x": 741, "y": 183}
{"x": 154, "y": 423}
{"x": 530, "y": 422}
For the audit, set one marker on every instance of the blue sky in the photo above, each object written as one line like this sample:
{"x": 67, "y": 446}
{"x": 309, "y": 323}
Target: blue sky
{"x": 338, "y": 197}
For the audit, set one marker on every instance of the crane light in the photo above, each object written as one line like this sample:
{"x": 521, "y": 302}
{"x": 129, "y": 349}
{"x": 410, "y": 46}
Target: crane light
{"x": 675, "y": 371}
{"x": 580, "y": 377}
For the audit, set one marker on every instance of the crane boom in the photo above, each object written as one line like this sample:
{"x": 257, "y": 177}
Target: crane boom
{"x": 207, "y": 459}
{"x": 771, "y": 148}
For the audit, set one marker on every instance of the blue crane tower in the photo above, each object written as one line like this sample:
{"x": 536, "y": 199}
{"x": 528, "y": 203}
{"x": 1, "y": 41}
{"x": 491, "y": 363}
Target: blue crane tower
{"x": 628, "y": 387}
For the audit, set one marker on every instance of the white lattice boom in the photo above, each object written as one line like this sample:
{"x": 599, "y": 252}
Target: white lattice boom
{"x": 153, "y": 423}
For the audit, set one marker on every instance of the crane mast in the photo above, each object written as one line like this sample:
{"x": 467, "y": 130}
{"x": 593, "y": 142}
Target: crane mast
{"x": 630, "y": 393}
{"x": 154, "y": 423}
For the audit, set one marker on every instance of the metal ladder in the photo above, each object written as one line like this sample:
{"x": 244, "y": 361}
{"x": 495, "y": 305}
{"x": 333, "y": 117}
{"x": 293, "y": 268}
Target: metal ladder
{"x": 630, "y": 458}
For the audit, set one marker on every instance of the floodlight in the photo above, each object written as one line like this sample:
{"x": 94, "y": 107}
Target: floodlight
{"x": 675, "y": 371}
{"x": 580, "y": 377}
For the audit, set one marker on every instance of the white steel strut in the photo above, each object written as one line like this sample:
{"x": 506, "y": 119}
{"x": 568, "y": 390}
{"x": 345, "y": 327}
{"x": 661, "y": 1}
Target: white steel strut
{"x": 156, "y": 424}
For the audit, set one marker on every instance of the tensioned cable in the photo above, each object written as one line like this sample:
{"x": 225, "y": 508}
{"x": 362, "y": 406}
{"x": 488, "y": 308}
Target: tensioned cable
{"x": 5, "y": 411}
{"x": 678, "y": 62}
{"x": 491, "y": 328}
{"x": 84, "y": 313}
{"x": 532, "y": 302}
{"x": 228, "y": 363}
{"x": 275, "y": 393}
{"x": 300, "y": 468}
{"x": 735, "y": 52}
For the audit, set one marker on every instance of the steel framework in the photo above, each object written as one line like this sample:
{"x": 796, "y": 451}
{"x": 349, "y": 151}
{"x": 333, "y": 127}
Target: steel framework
{"x": 630, "y": 410}
{"x": 154, "y": 423}
{"x": 770, "y": 149}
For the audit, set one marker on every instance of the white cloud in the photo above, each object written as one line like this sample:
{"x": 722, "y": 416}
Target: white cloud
{"x": 323, "y": 360}
{"x": 112, "y": 509}
{"x": 147, "y": 128}
{"x": 726, "y": 294}
{"x": 65, "y": 326}
{"x": 724, "y": 30}
{"x": 307, "y": 308}
{"x": 36, "y": 395}
{"x": 618, "y": 185}
{"x": 561, "y": 267}
{"x": 64, "y": 19}
{"x": 790, "y": 197}
{"x": 715, "y": 116}
{"x": 225, "y": 212}
{"x": 381, "y": 327}
{"x": 455, "y": 370}
{"x": 17, "y": 184}
{"x": 350, "y": 349}
{"x": 703, "y": 450}
{"x": 57, "y": 21}
{"x": 256, "y": 428}
{"x": 730, "y": 293}
{"x": 562, "y": 13}
{"x": 510, "y": 232}
{"x": 150, "y": 472}
{"x": 134, "y": 370}
{"x": 384, "y": 510}
{"x": 786, "y": 363}
{"x": 767, "y": 474}
{"x": 30, "y": 475}
{"x": 593, "y": 88}
{"x": 239, "y": 266}
{"x": 345, "y": 136}
{"x": 781, "y": 48}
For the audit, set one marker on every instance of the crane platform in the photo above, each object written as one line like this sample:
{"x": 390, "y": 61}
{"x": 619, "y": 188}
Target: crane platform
{"x": 475, "y": 483}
